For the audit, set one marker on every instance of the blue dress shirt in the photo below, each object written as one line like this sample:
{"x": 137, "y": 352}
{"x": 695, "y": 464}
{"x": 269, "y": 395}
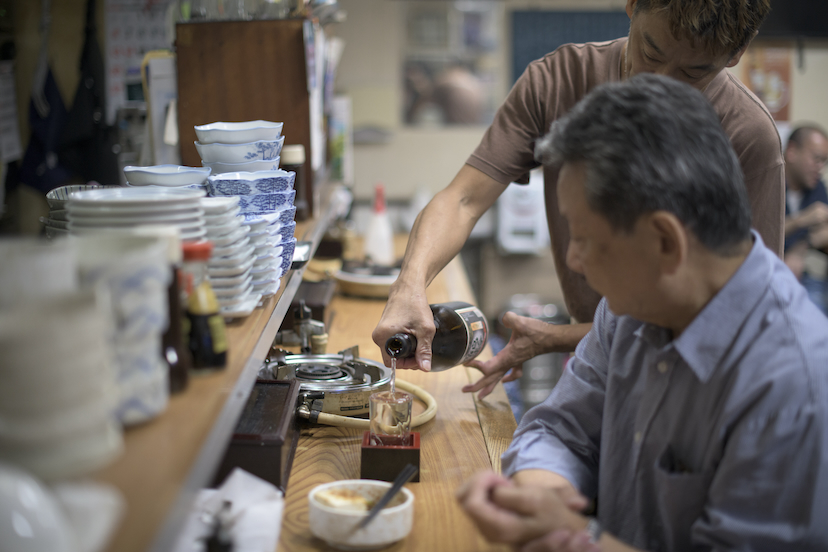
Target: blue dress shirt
{"x": 809, "y": 197}
{"x": 717, "y": 440}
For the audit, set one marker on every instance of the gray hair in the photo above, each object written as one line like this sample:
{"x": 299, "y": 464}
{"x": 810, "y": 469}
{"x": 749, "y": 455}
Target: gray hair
{"x": 650, "y": 144}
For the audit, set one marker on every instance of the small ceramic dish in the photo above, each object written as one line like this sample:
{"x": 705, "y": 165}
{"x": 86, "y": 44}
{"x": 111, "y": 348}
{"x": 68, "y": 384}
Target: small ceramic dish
{"x": 238, "y": 285}
{"x": 246, "y": 183}
{"x": 338, "y": 526}
{"x": 252, "y": 166}
{"x": 232, "y": 249}
{"x": 230, "y": 281}
{"x": 241, "y": 308}
{"x": 230, "y": 271}
{"x": 166, "y": 175}
{"x": 238, "y": 133}
{"x": 241, "y": 296}
{"x": 270, "y": 290}
{"x": 225, "y": 218}
{"x": 218, "y": 205}
{"x": 58, "y": 197}
{"x": 62, "y": 224}
{"x": 232, "y": 260}
{"x": 230, "y": 238}
{"x": 262, "y": 150}
{"x": 58, "y": 214}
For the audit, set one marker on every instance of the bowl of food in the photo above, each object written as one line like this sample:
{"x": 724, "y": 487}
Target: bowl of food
{"x": 238, "y": 133}
{"x": 260, "y": 150}
{"x": 245, "y": 183}
{"x": 335, "y": 509}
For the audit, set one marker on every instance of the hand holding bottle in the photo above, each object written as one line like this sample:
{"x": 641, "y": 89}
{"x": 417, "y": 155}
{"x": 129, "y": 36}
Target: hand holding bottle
{"x": 407, "y": 312}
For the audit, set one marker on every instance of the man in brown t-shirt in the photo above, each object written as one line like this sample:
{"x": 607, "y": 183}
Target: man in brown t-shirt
{"x": 690, "y": 40}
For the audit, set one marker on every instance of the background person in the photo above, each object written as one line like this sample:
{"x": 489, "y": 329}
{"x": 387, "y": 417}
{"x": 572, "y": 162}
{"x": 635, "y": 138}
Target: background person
{"x": 806, "y": 210}
{"x": 696, "y": 409}
{"x": 690, "y": 40}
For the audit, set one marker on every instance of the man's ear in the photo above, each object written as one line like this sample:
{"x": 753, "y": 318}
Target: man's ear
{"x": 738, "y": 55}
{"x": 630, "y": 6}
{"x": 672, "y": 240}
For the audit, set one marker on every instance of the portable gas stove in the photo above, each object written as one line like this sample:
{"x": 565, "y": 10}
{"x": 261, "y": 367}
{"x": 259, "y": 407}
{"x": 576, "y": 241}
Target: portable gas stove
{"x": 334, "y": 384}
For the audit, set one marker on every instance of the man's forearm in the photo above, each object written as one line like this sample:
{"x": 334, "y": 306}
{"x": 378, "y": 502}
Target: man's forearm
{"x": 563, "y": 338}
{"x": 444, "y": 225}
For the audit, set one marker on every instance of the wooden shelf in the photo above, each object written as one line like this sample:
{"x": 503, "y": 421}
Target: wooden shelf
{"x": 169, "y": 459}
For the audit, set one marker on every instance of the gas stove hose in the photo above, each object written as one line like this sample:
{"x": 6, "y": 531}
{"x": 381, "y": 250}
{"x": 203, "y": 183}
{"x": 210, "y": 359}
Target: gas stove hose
{"x": 359, "y": 423}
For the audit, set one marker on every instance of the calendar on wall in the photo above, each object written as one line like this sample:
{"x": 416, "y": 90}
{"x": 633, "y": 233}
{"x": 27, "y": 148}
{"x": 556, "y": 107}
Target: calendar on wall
{"x": 133, "y": 28}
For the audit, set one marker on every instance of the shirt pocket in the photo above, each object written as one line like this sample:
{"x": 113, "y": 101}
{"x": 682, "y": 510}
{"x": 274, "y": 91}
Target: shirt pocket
{"x": 681, "y": 494}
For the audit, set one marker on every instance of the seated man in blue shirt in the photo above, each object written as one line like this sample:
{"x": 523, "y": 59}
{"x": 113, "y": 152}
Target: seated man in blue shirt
{"x": 806, "y": 210}
{"x": 695, "y": 410}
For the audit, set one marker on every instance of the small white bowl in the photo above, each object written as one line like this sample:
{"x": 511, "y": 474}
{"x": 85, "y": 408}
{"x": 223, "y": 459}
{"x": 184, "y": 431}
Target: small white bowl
{"x": 261, "y": 150}
{"x": 252, "y": 166}
{"x": 336, "y": 526}
{"x": 166, "y": 175}
{"x": 238, "y": 133}
{"x": 245, "y": 183}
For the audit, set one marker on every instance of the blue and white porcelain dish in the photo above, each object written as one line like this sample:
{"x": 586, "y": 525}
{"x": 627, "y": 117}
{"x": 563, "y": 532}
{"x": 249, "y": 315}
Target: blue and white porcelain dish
{"x": 246, "y": 183}
{"x": 238, "y": 133}
{"x": 262, "y": 150}
{"x": 265, "y": 203}
{"x": 251, "y": 166}
{"x": 166, "y": 175}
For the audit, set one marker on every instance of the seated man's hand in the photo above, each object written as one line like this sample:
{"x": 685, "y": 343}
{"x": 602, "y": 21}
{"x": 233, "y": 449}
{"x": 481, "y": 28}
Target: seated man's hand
{"x": 407, "y": 311}
{"x": 505, "y": 512}
{"x": 818, "y": 237}
{"x": 528, "y": 336}
{"x": 814, "y": 215}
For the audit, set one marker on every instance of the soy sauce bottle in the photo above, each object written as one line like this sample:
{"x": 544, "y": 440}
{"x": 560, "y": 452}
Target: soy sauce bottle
{"x": 461, "y": 333}
{"x": 207, "y": 336}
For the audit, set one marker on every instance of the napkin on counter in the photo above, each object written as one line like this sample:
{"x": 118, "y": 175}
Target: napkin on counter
{"x": 252, "y": 516}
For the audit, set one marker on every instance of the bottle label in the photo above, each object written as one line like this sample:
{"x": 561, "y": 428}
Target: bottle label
{"x": 477, "y": 332}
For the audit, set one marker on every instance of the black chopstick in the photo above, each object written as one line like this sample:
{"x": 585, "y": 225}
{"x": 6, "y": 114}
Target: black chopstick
{"x": 405, "y": 476}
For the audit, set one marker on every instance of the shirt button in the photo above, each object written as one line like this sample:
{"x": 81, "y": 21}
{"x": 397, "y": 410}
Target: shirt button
{"x": 662, "y": 366}
{"x": 637, "y": 436}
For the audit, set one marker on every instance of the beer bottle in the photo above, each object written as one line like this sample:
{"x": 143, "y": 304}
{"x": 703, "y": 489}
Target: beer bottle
{"x": 461, "y": 333}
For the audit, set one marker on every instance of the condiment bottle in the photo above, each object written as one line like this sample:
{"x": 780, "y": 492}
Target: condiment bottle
{"x": 293, "y": 159}
{"x": 461, "y": 333}
{"x": 379, "y": 238}
{"x": 207, "y": 337}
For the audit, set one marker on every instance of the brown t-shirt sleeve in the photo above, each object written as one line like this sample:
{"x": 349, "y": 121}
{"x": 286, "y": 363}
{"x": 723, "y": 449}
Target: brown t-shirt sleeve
{"x": 756, "y": 142}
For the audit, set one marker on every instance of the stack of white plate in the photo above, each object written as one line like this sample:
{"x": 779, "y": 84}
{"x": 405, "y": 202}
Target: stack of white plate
{"x": 57, "y": 223}
{"x": 97, "y": 210}
{"x": 244, "y": 146}
{"x": 171, "y": 176}
{"x": 231, "y": 263}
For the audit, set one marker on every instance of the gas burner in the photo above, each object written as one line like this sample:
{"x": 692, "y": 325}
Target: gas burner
{"x": 335, "y": 384}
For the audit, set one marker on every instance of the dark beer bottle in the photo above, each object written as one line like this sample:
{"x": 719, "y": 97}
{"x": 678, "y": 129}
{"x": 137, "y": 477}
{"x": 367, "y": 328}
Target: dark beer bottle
{"x": 461, "y": 333}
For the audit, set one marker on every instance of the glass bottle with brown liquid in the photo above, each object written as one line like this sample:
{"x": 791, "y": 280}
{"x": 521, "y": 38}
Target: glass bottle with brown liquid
{"x": 461, "y": 333}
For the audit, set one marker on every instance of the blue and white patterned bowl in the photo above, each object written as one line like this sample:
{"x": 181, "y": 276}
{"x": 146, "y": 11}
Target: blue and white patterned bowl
{"x": 265, "y": 203}
{"x": 252, "y": 166}
{"x": 246, "y": 183}
{"x": 288, "y": 247}
{"x": 238, "y": 133}
{"x": 263, "y": 150}
{"x": 257, "y": 221}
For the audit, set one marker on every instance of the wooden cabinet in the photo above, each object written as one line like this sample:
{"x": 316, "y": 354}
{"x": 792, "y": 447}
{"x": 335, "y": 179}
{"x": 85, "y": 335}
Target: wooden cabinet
{"x": 243, "y": 71}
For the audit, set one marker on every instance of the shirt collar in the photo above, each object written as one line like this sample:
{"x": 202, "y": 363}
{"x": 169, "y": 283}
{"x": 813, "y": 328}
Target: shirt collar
{"x": 710, "y": 335}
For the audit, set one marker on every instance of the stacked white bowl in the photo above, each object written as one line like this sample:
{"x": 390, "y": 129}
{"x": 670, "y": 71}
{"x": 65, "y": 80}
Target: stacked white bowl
{"x": 57, "y": 387}
{"x": 57, "y": 223}
{"x": 244, "y": 158}
{"x": 134, "y": 269}
{"x": 170, "y": 176}
{"x": 94, "y": 211}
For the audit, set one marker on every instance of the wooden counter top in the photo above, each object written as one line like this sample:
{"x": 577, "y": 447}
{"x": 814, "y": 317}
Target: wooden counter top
{"x": 465, "y": 437}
